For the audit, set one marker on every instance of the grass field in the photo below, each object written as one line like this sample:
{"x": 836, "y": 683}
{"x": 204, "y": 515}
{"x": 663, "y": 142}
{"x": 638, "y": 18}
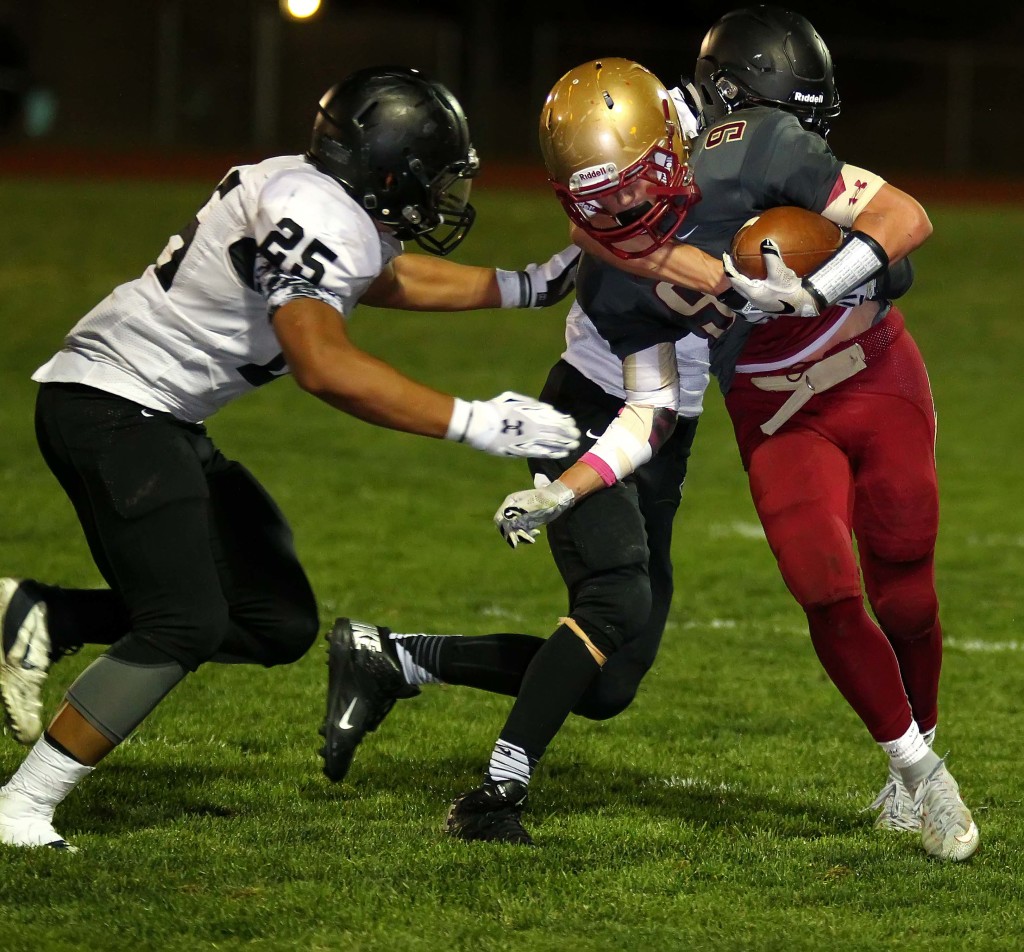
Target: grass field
{"x": 721, "y": 812}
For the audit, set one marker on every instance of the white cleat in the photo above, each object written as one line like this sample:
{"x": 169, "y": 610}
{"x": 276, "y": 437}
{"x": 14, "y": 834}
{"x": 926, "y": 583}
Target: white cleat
{"x": 23, "y": 824}
{"x": 24, "y": 658}
{"x": 897, "y": 810}
{"x": 948, "y": 830}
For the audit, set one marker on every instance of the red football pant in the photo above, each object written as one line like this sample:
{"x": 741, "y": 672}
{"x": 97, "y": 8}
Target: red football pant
{"x": 859, "y": 463}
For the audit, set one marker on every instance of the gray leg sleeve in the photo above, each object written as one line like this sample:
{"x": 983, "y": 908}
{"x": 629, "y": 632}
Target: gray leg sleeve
{"x": 115, "y": 696}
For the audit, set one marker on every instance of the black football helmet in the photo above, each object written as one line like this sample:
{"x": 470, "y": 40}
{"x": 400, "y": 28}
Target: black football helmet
{"x": 767, "y": 56}
{"x": 399, "y": 145}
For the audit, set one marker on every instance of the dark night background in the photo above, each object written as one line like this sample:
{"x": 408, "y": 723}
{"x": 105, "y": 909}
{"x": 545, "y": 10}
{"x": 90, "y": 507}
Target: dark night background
{"x": 925, "y": 90}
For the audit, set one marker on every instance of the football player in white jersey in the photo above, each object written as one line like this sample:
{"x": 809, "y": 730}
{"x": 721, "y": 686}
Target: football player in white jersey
{"x": 613, "y": 551}
{"x": 199, "y": 559}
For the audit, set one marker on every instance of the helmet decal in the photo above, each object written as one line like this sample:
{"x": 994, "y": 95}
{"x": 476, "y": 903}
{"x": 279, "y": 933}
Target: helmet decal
{"x": 610, "y": 137}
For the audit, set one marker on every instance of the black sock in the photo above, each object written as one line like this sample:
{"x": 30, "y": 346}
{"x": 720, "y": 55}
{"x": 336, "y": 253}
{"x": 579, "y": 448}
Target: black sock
{"x": 494, "y": 663}
{"x": 554, "y": 682}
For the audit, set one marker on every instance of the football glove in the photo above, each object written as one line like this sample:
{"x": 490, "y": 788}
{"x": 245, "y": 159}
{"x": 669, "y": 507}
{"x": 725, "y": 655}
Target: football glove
{"x": 511, "y": 424}
{"x": 740, "y": 306}
{"x": 521, "y": 515}
{"x": 540, "y": 285}
{"x": 781, "y": 291}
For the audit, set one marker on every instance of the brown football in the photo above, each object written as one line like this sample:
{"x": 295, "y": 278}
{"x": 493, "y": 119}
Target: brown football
{"x": 804, "y": 238}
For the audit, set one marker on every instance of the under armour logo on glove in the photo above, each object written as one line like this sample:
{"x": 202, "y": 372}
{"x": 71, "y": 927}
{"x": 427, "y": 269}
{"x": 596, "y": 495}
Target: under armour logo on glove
{"x": 514, "y": 425}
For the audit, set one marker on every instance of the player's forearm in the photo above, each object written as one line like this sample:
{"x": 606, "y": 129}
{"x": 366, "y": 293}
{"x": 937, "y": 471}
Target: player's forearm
{"x": 685, "y": 265}
{"x": 422, "y": 283}
{"x": 373, "y": 391}
{"x": 327, "y": 364}
{"x": 582, "y": 480}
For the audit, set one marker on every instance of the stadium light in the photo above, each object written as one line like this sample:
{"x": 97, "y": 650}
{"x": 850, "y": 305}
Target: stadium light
{"x": 300, "y": 9}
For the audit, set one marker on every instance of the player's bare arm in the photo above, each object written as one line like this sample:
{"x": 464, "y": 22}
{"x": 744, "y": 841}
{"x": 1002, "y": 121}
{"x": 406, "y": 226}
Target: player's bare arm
{"x": 416, "y": 282}
{"x": 896, "y": 220}
{"x": 646, "y": 421}
{"x": 327, "y": 364}
{"x": 681, "y": 264}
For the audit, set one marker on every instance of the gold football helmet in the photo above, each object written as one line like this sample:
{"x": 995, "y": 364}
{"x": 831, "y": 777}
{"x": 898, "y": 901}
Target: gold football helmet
{"x": 615, "y": 157}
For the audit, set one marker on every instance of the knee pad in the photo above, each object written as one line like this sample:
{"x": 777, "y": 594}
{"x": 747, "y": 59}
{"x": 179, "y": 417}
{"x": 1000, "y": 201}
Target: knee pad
{"x": 613, "y": 607}
{"x": 904, "y": 599}
{"x": 191, "y": 638}
{"x": 818, "y": 567}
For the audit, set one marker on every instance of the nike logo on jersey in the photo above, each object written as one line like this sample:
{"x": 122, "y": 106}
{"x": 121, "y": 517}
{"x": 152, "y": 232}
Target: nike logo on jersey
{"x": 593, "y": 435}
{"x": 686, "y": 235}
{"x": 344, "y": 724}
{"x": 148, "y": 413}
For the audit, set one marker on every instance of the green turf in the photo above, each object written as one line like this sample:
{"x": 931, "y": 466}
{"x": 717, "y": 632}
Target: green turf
{"x": 720, "y": 812}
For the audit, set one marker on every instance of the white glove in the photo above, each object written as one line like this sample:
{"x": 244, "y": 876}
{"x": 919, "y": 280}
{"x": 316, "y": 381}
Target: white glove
{"x": 540, "y": 285}
{"x": 514, "y": 425}
{"x": 782, "y": 291}
{"x": 740, "y": 306}
{"x": 521, "y": 515}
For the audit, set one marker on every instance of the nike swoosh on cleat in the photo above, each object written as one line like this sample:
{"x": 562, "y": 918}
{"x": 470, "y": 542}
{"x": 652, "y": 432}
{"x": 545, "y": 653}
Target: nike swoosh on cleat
{"x": 343, "y": 722}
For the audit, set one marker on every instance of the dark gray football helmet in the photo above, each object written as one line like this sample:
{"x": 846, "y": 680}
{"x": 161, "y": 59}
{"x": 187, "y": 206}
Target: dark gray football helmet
{"x": 767, "y": 56}
{"x": 399, "y": 145}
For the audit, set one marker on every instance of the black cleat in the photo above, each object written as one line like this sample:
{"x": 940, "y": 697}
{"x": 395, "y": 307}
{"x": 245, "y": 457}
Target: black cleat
{"x": 364, "y": 680}
{"x": 491, "y": 813}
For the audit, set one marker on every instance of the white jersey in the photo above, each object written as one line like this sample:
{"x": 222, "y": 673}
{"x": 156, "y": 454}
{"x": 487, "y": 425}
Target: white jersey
{"x": 590, "y": 354}
{"x": 194, "y": 331}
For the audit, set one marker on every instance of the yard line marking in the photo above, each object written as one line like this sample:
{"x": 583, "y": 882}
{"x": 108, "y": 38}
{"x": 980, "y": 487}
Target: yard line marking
{"x": 976, "y": 644}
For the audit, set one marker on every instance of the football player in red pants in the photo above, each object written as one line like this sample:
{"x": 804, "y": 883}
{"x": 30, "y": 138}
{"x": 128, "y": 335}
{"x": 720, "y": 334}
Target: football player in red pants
{"x": 828, "y": 394}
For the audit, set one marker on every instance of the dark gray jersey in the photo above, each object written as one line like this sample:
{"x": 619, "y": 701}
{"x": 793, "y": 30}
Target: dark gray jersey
{"x": 755, "y": 159}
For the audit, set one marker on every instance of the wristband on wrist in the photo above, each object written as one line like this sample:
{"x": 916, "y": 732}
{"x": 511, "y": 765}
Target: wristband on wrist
{"x": 859, "y": 259}
{"x": 736, "y": 302}
{"x": 514, "y": 287}
{"x": 458, "y": 425}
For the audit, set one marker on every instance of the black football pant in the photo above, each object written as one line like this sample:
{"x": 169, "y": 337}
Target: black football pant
{"x": 199, "y": 559}
{"x": 613, "y": 551}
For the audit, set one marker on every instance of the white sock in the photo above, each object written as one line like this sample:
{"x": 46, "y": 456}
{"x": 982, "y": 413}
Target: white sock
{"x": 413, "y": 672}
{"x": 929, "y": 737}
{"x": 45, "y": 777}
{"x": 910, "y": 756}
{"x": 509, "y": 762}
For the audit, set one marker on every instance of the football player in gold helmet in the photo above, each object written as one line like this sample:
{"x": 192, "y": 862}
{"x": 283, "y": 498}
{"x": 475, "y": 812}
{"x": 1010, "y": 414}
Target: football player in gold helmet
{"x": 616, "y": 152}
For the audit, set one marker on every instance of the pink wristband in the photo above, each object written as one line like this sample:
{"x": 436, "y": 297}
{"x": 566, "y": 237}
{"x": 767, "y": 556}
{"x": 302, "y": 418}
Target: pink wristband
{"x": 600, "y": 467}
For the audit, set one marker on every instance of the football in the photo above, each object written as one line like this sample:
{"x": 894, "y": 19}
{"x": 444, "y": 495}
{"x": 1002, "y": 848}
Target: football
{"x": 804, "y": 238}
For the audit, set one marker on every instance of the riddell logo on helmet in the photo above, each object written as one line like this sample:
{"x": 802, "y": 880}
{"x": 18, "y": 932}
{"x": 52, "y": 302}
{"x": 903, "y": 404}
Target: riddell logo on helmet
{"x": 597, "y": 176}
{"x": 816, "y": 98}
